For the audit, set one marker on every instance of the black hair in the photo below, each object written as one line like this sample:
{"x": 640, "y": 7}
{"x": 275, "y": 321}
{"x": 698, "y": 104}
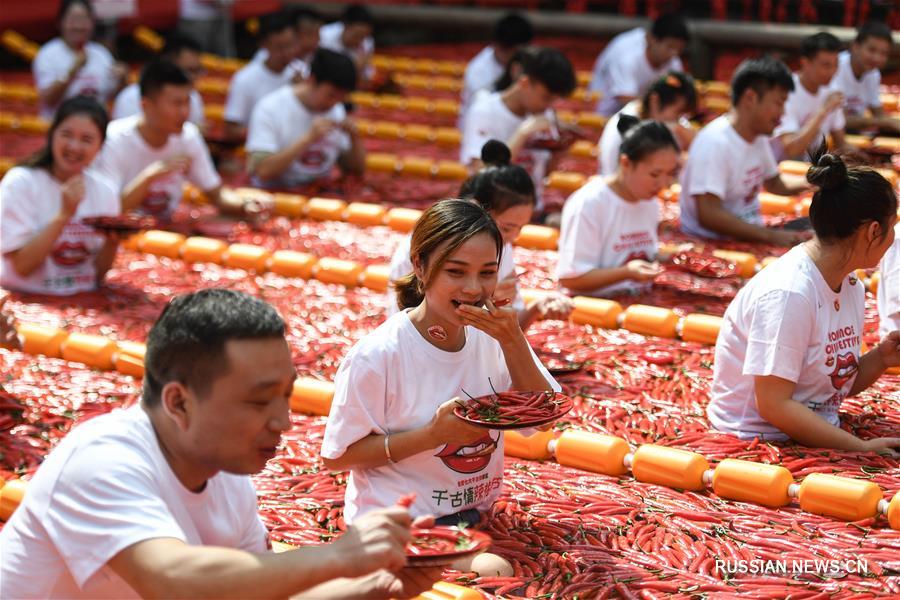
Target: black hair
{"x": 819, "y": 42}
{"x": 303, "y": 13}
{"x": 333, "y": 67}
{"x": 273, "y": 23}
{"x": 513, "y": 30}
{"x": 357, "y": 13}
{"x": 65, "y": 5}
{"x": 548, "y": 66}
{"x": 511, "y": 72}
{"x": 87, "y": 106}
{"x": 847, "y": 198}
{"x": 875, "y": 29}
{"x": 187, "y": 342}
{"x": 761, "y": 75}
{"x": 177, "y": 42}
{"x": 670, "y": 88}
{"x": 159, "y": 73}
{"x": 642, "y": 138}
{"x": 670, "y": 25}
{"x": 451, "y": 221}
{"x": 500, "y": 185}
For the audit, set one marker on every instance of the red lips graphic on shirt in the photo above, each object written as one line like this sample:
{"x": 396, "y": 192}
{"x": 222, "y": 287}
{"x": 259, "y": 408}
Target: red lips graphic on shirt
{"x": 845, "y": 368}
{"x": 70, "y": 254}
{"x": 636, "y": 255}
{"x": 155, "y": 202}
{"x": 313, "y": 158}
{"x": 456, "y": 456}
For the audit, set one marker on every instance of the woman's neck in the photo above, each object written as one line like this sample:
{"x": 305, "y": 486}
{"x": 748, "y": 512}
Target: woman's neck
{"x": 512, "y": 99}
{"x": 61, "y": 175}
{"x": 831, "y": 260}
{"x": 617, "y": 184}
{"x": 423, "y": 320}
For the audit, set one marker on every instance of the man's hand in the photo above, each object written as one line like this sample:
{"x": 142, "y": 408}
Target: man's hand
{"x": 375, "y": 541}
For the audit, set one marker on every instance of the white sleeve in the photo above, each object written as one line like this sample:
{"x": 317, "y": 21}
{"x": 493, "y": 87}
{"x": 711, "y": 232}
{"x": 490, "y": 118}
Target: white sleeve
{"x": 709, "y": 170}
{"x": 119, "y": 109}
{"x": 262, "y": 133}
{"x": 45, "y": 69}
{"x": 359, "y": 405}
{"x": 872, "y": 86}
{"x": 769, "y": 161}
{"x": 18, "y": 221}
{"x": 476, "y": 131}
{"x": 621, "y": 79}
{"x": 610, "y": 142}
{"x": 889, "y": 287}
{"x": 580, "y": 234}
{"x": 94, "y": 513}
{"x": 596, "y": 83}
{"x": 789, "y": 122}
{"x": 780, "y": 328}
{"x": 836, "y": 121}
{"x": 237, "y": 105}
{"x": 203, "y": 173}
{"x": 254, "y": 537}
{"x": 107, "y": 165}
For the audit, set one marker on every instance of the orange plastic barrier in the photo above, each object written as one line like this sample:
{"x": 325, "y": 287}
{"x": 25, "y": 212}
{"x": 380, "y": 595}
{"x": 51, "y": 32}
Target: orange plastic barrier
{"x": 11, "y": 495}
{"x": 650, "y": 320}
{"x": 752, "y": 482}
{"x": 333, "y": 270}
{"x": 92, "y": 350}
{"x": 364, "y": 214}
{"x": 403, "y": 219}
{"x": 700, "y": 328}
{"x": 839, "y": 497}
{"x": 326, "y": 209}
{"x": 671, "y": 467}
{"x": 312, "y": 396}
{"x": 289, "y": 205}
{"x": 565, "y": 181}
{"x": 246, "y": 256}
{"x": 203, "y": 249}
{"x": 39, "y": 339}
{"x": 533, "y": 447}
{"x": 538, "y": 237}
{"x": 596, "y": 311}
{"x": 161, "y": 243}
{"x": 376, "y": 277}
{"x": 592, "y": 452}
{"x": 289, "y": 263}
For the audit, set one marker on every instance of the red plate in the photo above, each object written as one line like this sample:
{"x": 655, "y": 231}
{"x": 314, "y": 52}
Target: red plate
{"x": 121, "y": 223}
{"x": 440, "y": 545}
{"x": 492, "y": 415}
{"x": 558, "y": 362}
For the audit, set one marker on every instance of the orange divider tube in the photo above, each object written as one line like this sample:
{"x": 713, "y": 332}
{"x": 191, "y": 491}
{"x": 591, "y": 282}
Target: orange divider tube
{"x": 364, "y": 214}
{"x": 670, "y": 467}
{"x": 592, "y": 452}
{"x": 135, "y": 349}
{"x": 325, "y": 209}
{"x": 11, "y": 495}
{"x": 538, "y": 237}
{"x": 745, "y": 261}
{"x": 839, "y": 497}
{"x": 893, "y": 513}
{"x": 403, "y": 219}
{"x": 565, "y": 181}
{"x": 597, "y": 312}
{"x": 289, "y": 205}
{"x": 451, "y": 170}
{"x": 773, "y": 204}
{"x": 92, "y": 350}
{"x": 39, "y": 339}
{"x": 651, "y": 320}
{"x": 381, "y": 162}
{"x": 447, "y": 136}
{"x": 590, "y": 119}
{"x": 161, "y": 243}
{"x": 457, "y": 592}
{"x": 289, "y": 263}
{"x": 128, "y": 364}
{"x": 701, "y": 328}
{"x": 531, "y": 448}
{"x": 203, "y": 249}
{"x": 246, "y": 256}
{"x": 333, "y": 270}
{"x": 376, "y": 277}
{"x": 385, "y": 129}
{"x": 416, "y": 166}
{"x": 793, "y": 167}
{"x": 748, "y": 481}
{"x": 312, "y": 396}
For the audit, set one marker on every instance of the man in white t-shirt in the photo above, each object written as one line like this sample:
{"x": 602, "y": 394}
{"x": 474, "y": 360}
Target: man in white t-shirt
{"x": 150, "y": 156}
{"x": 299, "y": 132}
{"x": 858, "y": 78}
{"x": 731, "y": 160}
{"x": 511, "y": 33}
{"x": 352, "y": 35}
{"x": 278, "y": 37}
{"x": 632, "y": 60}
{"x": 156, "y": 500}
{"x": 812, "y": 111}
{"x": 184, "y": 52}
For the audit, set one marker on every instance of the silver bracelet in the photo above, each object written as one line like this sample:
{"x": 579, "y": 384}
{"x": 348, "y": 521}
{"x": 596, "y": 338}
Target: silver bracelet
{"x": 387, "y": 447}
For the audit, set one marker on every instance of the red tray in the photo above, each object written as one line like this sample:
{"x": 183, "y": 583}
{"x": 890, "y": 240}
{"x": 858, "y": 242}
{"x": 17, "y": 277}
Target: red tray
{"x": 448, "y": 544}
{"x": 121, "y": 223}
{"x": 493, "y": 419}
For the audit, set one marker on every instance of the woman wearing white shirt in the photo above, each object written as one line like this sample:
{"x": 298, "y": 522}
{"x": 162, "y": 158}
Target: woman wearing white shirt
{"x": 392, "y": 423}
{"x": 46, "y": 248}
{"x": 608, "y": 239}
{"x": 73, "y": 65}
{"x": 789, "y": 350}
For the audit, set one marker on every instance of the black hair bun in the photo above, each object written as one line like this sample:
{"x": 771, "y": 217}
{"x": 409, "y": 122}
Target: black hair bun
{"x": 828, "y": 172}
{"x": 626, "y": 122}
{"x": 495, "y": 153}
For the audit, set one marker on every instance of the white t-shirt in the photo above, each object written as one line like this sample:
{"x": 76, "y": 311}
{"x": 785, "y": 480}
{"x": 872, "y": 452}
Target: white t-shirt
{"x": 721, "y": 162}
{"x": 482, "y": 73}
{"x": 401, "y": 265}
{"x": 330, "y": 37}
{"x": 859, "y": 94}
{"x": 611, "y": 139}
{"x": 889, "y": 289}
{"x": 125, "y": 154}
{"x": 299, "y": 66}
{"x": 622, "y": 69}
{"x": 128, "y": 103}
{"x": 600, "y": 229}
{"x": 200, "y": 10}
{"x": 105, "y": 487}
{"x": 788, "y": 323}
{"x": 393, "y": 380}
{"x": 488, "y": 118}
{"x": 95, "y": 78}
{"x": 279, "y": 120}
{"x": 29, "y": 200}
{"x": 800, "y": 108}
{"x": 250, "y": 85}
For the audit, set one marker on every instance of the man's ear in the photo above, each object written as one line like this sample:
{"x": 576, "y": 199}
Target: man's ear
{"x": 177, "y": 402}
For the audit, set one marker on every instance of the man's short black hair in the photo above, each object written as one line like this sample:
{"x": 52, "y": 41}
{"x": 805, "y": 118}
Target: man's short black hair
{"x": 819, "y": 42}
{"x": 875, "y": 29}
{"x": 671, "y": 25}
{"x": 187, "y": 342}
{"x": 357, "y": 13}
{"x": 550, "y": 67}
{"x": 177, "y": 42}
{"x": 513, "y": 30}
{"x": 160, "y": 73}
{"x": 298, "y": 14}
{"x": 273, "y": 23}
{"x": 333, "y": 67}
{"x": 760, "y": 75}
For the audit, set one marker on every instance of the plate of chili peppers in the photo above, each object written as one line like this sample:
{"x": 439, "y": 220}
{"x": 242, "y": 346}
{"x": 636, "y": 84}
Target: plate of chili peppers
{"x": 440, "y": 546}
{"x": 514, "y": 410}
{"x": 120, "y": 223}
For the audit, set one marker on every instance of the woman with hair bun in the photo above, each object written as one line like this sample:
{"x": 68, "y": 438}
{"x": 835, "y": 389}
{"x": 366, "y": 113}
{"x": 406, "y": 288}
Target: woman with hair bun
{"x": 608, "y": 240}
{"x": 790, "y": 347}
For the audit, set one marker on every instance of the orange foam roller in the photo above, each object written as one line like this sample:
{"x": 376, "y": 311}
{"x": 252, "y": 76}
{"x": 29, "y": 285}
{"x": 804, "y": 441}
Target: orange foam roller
{"x": 128, "y": 365}
{"x": 93, "y": 350}
{"x": 793, "y": 167}
{"x": 161, "y": 243}
{"x": 289, "y": 263}
{"x": 135, "y": 349}
{"x": 721, "y": 88}
{"x": 565, "y": 181}
{"x": 403, "y": 219}
{"x": 203, "y": 249}
{"x": 364, "y": 214}
{"x": 366, "y": 99}
{"x": 451, "y": 170}
{"x": 39, "y": 339}
{"x": 246, "y": 256}
{"x": 417, "y": 166}
{"x": 670, "y": 467}
{"x": 447, "y": 108}
{"x": 701, "y": 328}
{"x": 874, "y": 280}
{"x": 773, "y": 204}
{"x": 590, "y": 119}
{"x": 148, "y": 38}
{"x": 456, "y": 592}
{"x": 312, "y": 396}
{"x": 447, "y": 84}
{"x": 528, "y": 447}
{"x": 376, "y": 277}
{"x": 386, "y": 130}
{"x": 193, "y": 195}
{"x": 11, "y": 495}
{"x": 381, "y": 162}
{"x": 333, "y": 270}
{"x": 887, "y": 143}
{"x": 716, "y": 104}
{"x": 746, "y": 262}
{"x": 748, "y": 481}
{"x": 651, "y": 320}
{"x": 839, "y": 497}
{"x": 418, "y": 133}
{"x": 391, "y": 102}
{"x": 860, "y": 141}
{"x": 289, "y": 205}
{"x": 326, "y": 209}
{"x": 597, "y": 312}
{"x": 214, "y": 112}
{"x": 583, "y": 149}
{"x": 419, "y": 105}
{"x": 538, "y": 237}
{"x": 805, "y": 203}
{"x": 893, "y": 513}
{"x": 888, "y": 174}
{"x": 593, "y": 452}
{"x": 447, "y": 136}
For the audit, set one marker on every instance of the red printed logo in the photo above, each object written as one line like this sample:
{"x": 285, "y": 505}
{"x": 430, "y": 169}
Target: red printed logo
{"x": 313, "y": 158}
{"x": 460, "y": 459}
{"x": 844, "y": 370}
{"x": 70, "y": 254}
{"x": 155, "y": 202}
